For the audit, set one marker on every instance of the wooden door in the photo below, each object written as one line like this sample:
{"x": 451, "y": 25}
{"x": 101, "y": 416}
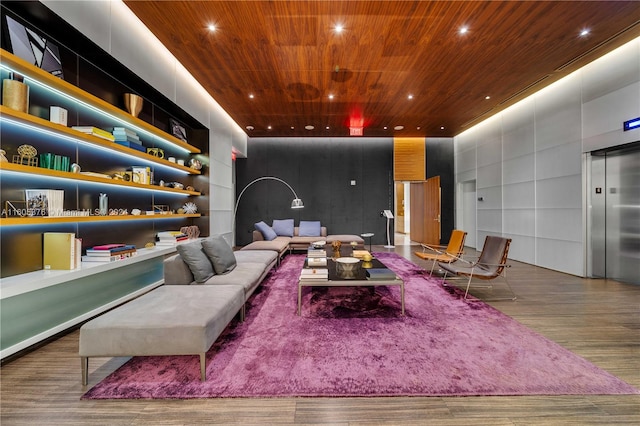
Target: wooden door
{"x": 431, "y": 232}
{"x": 399, "y": 220}
{"x": 425, "y": 211}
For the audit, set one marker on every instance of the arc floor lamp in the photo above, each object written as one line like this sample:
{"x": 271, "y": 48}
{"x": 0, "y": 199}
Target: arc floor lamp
{"x": 296, "y": 203}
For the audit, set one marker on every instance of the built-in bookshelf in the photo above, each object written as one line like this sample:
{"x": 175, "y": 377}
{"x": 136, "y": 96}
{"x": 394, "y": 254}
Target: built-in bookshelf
{"x": 101, "y": 155}
{"x": 36, "y": 304}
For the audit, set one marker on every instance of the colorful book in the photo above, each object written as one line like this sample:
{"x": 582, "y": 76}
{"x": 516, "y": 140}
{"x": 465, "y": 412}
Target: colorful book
{"x": 59, "y": 250}
{"x": 385, "y": 274}
{"x": 90, "y": 130}
{"x": 109, "y": 252}
{"x": 107, "y": 246}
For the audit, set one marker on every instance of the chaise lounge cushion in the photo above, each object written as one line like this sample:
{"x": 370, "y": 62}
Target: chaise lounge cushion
{"x": 264, "y": 257}
{"x": 197, "y": 261}
{"x": 283, "y": 227}
{"x": 219, "y": 253}
{"x": 166, "y": 321}
{"x": 267, "y": 232}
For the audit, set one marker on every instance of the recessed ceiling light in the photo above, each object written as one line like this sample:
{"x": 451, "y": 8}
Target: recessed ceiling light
{"x": 464, "y": 30}
{"x": 293, "y": 128}
{"x": 251, "y": 96}
{"x": 331, "y": 96}
{"x": 250, "y": 127}
{"x": 398, "y": 128}
{"x": 268, "y": 127}
{"x": 327, "y": 127}
{"x": 211, "y": 27}
{"x": 385, "y": 128}
{"x": 584, "y": 32}
{"x": 418, "y": 128}
{"x": 338, "y": 28}
{"x": 309, "y": 127}
{"x": 410, "y": 96}
{"x": 487, "y": 97}
{"x": 441, "y": 127}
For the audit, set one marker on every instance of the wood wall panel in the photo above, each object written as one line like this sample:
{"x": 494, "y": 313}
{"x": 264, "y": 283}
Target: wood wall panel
{"x": 409, "y": 159}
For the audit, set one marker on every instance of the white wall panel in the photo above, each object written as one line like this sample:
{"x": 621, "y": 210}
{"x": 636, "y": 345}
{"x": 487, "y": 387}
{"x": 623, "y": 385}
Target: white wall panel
{"x": 466, "y": 160}
{"x": 608, "y": 112}
{"x": 192, "y": 97}
{"x": 612, "y": 72}
{"x": 492, "y": 197}
{"x": 559, "y": 224}
{"x": 519, "y": 169}
{"x": 519, "y": 195}
{"x": 490, "y": 152}
{"x": 520, "y": 222}
{"x": 522, "y": 248}
{"x": 560, "y": 160}
{"x": 220, "y": 174}
{"x": 220, "y": 146}
{"x": 559, "y": 114}
{"x": 490, "y": 221}
{"x": 76, "y": 13}
{"x": 560, "y": 193}
{"x": 563, "y": 256}
{"x": 489, "y": 176}
{"x": 518, "y": 130}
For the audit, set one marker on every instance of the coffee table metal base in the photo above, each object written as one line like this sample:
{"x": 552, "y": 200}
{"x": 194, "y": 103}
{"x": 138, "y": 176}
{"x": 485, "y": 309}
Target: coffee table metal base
{"x": 349, "y": 283}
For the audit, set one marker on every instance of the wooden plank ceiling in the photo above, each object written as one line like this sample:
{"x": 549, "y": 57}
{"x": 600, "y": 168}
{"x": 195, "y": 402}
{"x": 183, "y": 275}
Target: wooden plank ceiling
{"x": 272, "y": 65}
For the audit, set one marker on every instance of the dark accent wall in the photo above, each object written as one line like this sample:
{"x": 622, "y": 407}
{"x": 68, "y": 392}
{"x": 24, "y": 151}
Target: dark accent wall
{"x": 320, "y": 171}
{"x": 439, "y": 152}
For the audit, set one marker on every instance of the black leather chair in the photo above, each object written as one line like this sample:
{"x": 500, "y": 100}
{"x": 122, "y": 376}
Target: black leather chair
{"x": 491, "y": 264}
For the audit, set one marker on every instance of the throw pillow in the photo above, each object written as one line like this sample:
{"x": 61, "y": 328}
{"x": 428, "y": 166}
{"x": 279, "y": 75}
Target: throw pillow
{"x": 309, "y": 228}
{"x": 196, "y": 260}
{"x": 283, "y": 227}
{"x": 220, "y": 254}
{"x": 267, "y": 232}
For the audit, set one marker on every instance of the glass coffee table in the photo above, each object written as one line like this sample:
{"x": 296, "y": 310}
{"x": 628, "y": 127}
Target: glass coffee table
{"x": 369, "y": 274}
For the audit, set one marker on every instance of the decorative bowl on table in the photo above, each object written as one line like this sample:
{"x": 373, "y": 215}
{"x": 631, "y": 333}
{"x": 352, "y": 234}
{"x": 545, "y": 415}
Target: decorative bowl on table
{"x": 347, "y": 267}
{"x": 318, "y": 244}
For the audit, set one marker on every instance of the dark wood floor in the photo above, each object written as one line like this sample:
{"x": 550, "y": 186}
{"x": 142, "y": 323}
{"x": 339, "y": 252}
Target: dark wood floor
{"x": 597, "y": 319}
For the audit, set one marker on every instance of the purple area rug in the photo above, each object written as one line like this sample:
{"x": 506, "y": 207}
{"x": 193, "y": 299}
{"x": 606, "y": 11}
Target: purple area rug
{"x": 354, "y": 342}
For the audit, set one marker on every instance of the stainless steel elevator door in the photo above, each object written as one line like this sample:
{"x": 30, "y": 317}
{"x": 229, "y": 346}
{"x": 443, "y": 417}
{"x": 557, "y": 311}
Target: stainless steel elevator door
{"x": 615, "y": 216}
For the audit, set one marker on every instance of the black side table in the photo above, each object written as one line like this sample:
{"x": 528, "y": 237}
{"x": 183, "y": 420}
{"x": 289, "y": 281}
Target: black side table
{"x": 368, "y": 235}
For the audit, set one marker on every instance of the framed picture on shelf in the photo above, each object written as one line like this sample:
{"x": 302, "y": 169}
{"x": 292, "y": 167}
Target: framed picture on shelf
{"x": 178, "y": 130}
{"x": 37, "y": 202}
{"x": 34, "y": 47}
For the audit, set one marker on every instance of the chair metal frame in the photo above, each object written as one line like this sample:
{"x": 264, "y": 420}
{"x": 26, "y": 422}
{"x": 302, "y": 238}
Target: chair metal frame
{"x": 482, "y": 268}
{"x": 448, "y": 253}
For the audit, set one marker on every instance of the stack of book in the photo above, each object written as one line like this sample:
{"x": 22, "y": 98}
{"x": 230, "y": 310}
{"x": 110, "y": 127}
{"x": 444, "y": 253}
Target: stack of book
{"x": 109, "y": 253}
{"x": 312, "y": 252}
{"x": 316, "y": 269}
{"x": 171, "y": 238}
{"x": 128, "y": 138}
{"x": 90, "y": 130}
{"x": 314, "y": 274}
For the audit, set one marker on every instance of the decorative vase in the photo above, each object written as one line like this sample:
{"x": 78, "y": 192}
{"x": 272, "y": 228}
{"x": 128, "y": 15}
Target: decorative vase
{"x": 336, "y": 249}
{"x": 15, "y": 95}
{"x": 133, "y": 103}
